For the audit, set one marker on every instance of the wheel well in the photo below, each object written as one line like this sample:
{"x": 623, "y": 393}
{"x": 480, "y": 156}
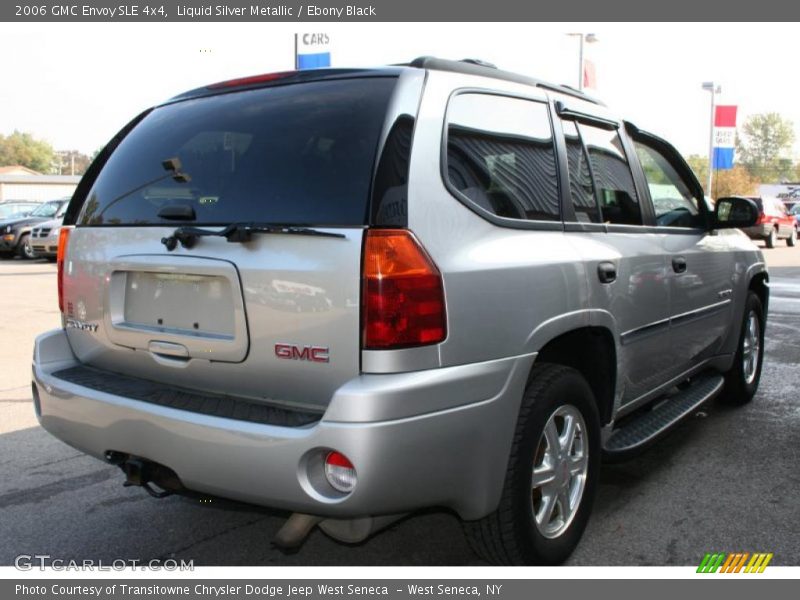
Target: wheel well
{"x": 591, "y": 351}
{"x": 760, "y": 285}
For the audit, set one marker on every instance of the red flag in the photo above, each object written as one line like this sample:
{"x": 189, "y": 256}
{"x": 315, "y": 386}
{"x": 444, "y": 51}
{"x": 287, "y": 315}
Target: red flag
{"x": 589, "y": 75}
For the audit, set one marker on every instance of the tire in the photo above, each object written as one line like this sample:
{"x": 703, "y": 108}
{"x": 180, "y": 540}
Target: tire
{"x": 741, "y": 380}
{"x": 771, "y": 239}
{"x": 24, "y": 248}
{"x": 511, "y": 534}
{"x": 792, "y": 239}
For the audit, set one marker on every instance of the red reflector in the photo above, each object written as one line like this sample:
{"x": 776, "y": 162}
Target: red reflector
{"x": 63, "y": 240}
{"x": 403, "y": 295}
{"x": 337, "y": 459}
{"x": 251, "y": 80}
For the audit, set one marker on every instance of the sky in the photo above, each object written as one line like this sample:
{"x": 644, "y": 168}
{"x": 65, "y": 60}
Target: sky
{"x": 77, "y": 84}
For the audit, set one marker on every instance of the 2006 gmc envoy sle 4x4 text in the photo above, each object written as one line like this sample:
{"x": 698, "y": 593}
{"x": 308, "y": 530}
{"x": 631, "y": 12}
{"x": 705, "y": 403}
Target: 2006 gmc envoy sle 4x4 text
{"x": 354, "y": 293}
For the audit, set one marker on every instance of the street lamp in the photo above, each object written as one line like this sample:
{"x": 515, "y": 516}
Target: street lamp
{"x": 589, "y": 38}
{"x": 714, "y": 89}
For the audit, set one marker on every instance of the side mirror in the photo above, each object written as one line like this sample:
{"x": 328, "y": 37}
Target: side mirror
{"x": 735, "y": 212}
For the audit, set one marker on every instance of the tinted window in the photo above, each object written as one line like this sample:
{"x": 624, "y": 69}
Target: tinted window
{"x": 294, "y": 154}
{"x": 500, "y": 156}
{"x": 673, "y": 202}
{"x": 612, "y": 176}
{"x": 581, "y": 188}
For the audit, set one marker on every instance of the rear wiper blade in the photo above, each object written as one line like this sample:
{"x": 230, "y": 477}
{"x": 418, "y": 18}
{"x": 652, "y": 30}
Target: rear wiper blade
{"x": 239, "y": 232}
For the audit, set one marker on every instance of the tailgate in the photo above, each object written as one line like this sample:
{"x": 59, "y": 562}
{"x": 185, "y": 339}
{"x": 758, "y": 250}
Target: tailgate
{"x": 275, "y": 319}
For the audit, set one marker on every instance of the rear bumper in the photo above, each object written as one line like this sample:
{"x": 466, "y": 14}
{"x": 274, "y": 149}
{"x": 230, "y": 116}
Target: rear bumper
{"x": 759, "y": 232}
{"x": 453, "y": 454}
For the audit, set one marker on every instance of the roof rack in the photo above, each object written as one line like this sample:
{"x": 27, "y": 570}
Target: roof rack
{"x": 472, "y": 66}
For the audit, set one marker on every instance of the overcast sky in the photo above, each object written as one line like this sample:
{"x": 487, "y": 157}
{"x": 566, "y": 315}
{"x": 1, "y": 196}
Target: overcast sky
{"x": 76, "y": 84}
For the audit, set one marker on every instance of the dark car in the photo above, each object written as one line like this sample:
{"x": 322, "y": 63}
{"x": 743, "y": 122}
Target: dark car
{"x": 15, "y": 231}
{"x": 774, "y": 223}
{"x": 16, "y": 208}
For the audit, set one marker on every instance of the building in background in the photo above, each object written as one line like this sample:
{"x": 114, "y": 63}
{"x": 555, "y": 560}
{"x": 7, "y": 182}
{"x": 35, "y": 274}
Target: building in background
{"x": 20, "y": 183}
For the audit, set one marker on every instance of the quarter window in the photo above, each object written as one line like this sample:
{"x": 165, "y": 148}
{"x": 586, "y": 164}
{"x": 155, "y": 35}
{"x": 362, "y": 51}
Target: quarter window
{"x": 616, "y": 193}
{"x": 500, "y": 156}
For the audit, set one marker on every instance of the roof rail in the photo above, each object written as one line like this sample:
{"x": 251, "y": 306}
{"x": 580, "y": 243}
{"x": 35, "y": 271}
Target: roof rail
{"x": 472, "y": 66}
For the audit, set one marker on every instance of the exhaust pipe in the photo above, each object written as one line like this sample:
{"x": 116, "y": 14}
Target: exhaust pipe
{"x": 350, "y": 531}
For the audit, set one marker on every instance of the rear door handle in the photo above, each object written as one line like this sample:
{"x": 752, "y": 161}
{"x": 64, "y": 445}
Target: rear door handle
{"x": 607, "y": 272}
{"x": 679, "y": 264}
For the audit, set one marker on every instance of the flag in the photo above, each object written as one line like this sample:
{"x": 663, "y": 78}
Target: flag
{"x": 589, "y": 75}
{"x": 724, "y": 137}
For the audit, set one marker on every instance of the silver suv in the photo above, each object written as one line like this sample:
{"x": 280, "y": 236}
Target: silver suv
{"x": 352, "y": 294}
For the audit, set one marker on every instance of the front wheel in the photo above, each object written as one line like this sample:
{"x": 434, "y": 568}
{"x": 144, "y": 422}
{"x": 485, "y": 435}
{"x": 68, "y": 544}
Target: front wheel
{"x": 741, "y": 381}
{"x": 772, "y": 238}
{"x": 25, "y": 249}
{"x": 551, "y": 475}
{"x": 792, "y": 239}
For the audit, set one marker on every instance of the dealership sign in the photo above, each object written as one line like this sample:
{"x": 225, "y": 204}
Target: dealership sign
{"x": 724, "y": 137}
{"x": 312, "y": 50}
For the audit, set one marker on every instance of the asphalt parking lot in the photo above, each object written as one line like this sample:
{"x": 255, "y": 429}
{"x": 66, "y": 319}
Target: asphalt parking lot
{"x": 725, "y": 480}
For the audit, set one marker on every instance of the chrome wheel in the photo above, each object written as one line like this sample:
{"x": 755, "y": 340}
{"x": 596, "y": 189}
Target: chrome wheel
{"x": 27, "y": 249}
{"x": 559, "y": 471}
{"x": 751, "y": 347}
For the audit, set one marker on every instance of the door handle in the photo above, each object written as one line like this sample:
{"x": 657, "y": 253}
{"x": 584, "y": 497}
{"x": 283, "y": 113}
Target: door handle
{"x": 679, "y": 264}
{"x": 607, "y": 272}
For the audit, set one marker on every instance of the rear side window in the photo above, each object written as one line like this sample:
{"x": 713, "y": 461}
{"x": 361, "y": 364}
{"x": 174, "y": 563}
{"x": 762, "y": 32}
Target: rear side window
{"x": 500, "y": 156}
{"x": 619, "y": 203}
{"x": 292, "y": 154}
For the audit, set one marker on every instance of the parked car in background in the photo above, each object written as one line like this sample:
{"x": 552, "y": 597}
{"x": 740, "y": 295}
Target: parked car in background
{"x": 795, "y": 212}
{"x": 774, "y": 223}
{"x": 15, "y": 232}
{"x": 16, "y": 208}
{"x": 44, "y": 237}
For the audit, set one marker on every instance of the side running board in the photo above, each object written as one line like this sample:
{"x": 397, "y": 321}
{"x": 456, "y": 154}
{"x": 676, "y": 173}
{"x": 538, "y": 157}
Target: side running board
{"x": 646, "y": 427}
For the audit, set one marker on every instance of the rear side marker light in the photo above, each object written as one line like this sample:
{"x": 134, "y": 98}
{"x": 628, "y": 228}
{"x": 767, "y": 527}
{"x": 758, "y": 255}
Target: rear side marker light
{"x": 340, "y": 472}
{"x": 63, "y": 241}
{"x": 403, "y": 295}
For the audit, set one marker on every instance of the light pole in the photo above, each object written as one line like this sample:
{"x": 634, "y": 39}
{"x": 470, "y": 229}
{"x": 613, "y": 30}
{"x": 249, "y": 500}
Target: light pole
{"x": 714, "y": 89}
{"x": 589, "y": 38}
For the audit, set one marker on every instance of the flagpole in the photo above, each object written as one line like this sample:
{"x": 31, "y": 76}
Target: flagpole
{"x": 296, "y": 66}
{"x": 714, "y": 89}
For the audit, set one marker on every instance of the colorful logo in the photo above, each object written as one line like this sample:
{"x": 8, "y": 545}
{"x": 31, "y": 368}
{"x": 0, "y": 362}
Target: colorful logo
{"x": 734, "y": 562}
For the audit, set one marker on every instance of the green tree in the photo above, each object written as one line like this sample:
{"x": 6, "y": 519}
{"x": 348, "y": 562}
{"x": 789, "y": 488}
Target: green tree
{"x": 765, "y": 145}
{"x": 699, "y": 165}
{"x": 23, "y": 149}
{"x": 72, "y": 162}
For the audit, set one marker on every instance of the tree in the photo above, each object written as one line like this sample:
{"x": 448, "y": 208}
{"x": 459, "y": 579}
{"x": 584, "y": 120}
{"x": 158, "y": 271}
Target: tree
{"x": 72, "y": 162}
{"x": 765, "y": 145}
{"x": 23, "y": 149}
{"x": 732, "y": 182}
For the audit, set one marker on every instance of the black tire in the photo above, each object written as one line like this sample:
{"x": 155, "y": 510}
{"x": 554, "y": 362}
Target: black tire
{"x": 24, "y": 248}
{"x": 771, "y": 239}
{"x": 739, "y": 389}
{"x": 792, "y": 239}
{"x": 510, "y": 535}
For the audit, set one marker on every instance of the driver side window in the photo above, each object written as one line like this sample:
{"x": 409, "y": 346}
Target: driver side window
{"x": 674, "y": 204}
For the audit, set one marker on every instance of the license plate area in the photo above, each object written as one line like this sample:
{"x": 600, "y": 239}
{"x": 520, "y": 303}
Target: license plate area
{"x": 194, "y": 302}
{"x": 180, "y": 303}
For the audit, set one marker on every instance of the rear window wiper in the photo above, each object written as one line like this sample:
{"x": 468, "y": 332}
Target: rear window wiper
{"x": 239, "y": 232}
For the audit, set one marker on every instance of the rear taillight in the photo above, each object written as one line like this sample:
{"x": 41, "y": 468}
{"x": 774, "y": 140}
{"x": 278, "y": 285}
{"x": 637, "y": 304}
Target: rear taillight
{"x": 63, "y": 240}
{"x": 403, "y": 295}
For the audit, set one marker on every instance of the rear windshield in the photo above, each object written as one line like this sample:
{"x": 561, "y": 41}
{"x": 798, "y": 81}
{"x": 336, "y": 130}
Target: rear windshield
{"x": 293, "y": 154}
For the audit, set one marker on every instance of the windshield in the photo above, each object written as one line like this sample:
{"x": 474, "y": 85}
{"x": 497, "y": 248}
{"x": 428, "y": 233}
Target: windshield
{"x": 12, "y": 210}
{"x": 299, "y": 154}
{"x": 46, "y": 210}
